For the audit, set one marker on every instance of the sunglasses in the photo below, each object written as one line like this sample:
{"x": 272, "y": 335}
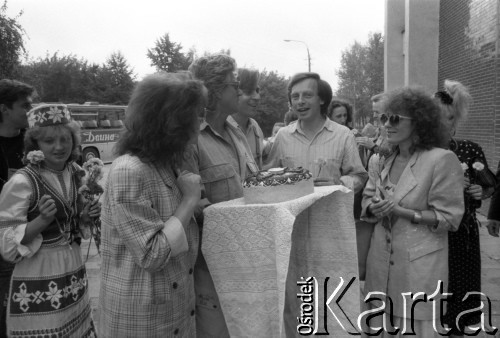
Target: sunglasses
{"x": 393, "y": 119}
{"x": 234, "y": 84}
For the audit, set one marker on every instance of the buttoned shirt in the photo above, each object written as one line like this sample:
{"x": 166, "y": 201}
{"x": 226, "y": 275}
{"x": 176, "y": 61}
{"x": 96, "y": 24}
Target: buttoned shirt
{"x": 254, "y": 135}
{"x": 331, "y": 153}
{"x": 213, "y": 159}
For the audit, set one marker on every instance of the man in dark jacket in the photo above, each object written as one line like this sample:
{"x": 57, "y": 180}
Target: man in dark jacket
{"x": 15, "y": 102}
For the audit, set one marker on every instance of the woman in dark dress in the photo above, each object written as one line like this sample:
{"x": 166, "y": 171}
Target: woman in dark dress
{"x": 464, "y": 254}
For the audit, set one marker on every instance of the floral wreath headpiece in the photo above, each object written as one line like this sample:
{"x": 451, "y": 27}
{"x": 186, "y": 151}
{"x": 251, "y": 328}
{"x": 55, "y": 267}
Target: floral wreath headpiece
{"x": 444, "y": 96}
{"x": 45, "y": 115}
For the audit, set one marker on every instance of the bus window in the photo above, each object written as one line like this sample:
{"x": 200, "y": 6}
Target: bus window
{"x": 100, "y": 129}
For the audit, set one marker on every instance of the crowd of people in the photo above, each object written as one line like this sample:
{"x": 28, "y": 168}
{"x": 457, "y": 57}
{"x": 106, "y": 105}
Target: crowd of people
{"x": 190, "y": 138}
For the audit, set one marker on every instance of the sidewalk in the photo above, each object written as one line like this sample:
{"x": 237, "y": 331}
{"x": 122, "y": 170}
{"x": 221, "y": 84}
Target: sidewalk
{"x": 490, "y": 261}
{"x": 93, "y": 265}
{"x": 490, "y": 271}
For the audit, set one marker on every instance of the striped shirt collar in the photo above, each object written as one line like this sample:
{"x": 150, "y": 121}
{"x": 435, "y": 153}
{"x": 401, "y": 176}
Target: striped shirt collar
{"x": 329, "y": 125}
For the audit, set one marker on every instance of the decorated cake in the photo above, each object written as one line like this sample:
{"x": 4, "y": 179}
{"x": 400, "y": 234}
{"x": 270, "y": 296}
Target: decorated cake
{"x": 277, "y": 185}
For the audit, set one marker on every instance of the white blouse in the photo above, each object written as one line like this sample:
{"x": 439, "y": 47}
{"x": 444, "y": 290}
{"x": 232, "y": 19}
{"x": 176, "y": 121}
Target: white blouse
{"x": 14, "y": 201}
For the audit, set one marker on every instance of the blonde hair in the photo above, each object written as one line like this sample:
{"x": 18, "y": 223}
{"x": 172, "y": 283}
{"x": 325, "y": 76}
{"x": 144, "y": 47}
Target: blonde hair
{"x": 459, "y": 108}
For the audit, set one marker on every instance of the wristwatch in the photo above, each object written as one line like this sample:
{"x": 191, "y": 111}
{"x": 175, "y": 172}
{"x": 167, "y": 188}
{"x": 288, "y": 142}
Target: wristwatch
{"x": 417, "y": 217}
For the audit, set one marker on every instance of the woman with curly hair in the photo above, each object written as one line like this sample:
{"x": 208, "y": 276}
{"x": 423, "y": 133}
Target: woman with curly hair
{"x": 414, "y": 197}
{"x": 149, "y": 236}
{"x": 465, "y": 256}
{"x": 340, "y": 111}
{"x": 40, "y": 223}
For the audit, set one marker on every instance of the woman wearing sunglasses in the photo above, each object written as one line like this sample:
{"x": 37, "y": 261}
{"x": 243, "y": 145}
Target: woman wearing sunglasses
{"x": 464, "y": 255}
{"x": 414, "y": 197}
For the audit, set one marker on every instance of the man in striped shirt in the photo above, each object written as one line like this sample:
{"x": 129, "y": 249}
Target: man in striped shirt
{"x": 315, "y": 142}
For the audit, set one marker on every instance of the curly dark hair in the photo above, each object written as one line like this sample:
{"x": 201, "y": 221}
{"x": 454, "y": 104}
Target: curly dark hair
{"x": 36, "y": 133}
{"x": 424, "y": 111}
{"x": 213, "y": 70}
{"x": 161, "y": 117}
{"x": 336, "y": 103}
{"x": 324, "y": 90}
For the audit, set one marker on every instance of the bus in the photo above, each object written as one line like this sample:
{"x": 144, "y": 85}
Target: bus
{"x": 100, "y": 128}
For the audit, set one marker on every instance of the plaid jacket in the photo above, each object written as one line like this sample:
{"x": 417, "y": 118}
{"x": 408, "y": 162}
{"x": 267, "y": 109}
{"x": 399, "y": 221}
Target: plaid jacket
{"x": 146, "y": 290}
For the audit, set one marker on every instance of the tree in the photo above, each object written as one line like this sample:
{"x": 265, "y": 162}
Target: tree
{"x": 116, "y": 80}
{"x": 11, "y": 43}
{"x": 361, "y": 74}
{"x": 65, "y": 79}
{"x": 166, "y": 55}
{"x": 274, "y": 102}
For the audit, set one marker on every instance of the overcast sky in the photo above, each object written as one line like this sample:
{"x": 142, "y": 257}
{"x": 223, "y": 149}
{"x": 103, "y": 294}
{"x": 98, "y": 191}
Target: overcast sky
{"x": 252, "y": 30}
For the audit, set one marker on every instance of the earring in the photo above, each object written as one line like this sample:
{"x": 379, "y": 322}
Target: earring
{"x": 415, "y": 139}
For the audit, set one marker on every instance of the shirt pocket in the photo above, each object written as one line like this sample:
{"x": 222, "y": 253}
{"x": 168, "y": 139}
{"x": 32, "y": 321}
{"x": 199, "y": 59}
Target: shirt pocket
{"x": 420, "y": 251}
{"x": 216, "y": 180}
{"x": 329, "y": 168}
{"x": 427, "y": 266}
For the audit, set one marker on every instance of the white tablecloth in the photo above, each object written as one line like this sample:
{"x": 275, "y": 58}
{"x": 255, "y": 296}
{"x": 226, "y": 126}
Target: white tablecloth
{"x": 257, "y": 253}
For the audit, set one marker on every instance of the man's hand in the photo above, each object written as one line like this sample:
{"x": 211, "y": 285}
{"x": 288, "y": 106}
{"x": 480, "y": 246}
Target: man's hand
{"x": 365, "y": 142}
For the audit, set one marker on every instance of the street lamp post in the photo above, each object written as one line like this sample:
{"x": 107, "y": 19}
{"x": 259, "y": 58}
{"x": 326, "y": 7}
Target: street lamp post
{"x": 308, "y": 54}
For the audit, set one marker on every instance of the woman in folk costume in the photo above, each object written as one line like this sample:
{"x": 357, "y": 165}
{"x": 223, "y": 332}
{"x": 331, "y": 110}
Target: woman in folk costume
{"x": 39, "y": 221}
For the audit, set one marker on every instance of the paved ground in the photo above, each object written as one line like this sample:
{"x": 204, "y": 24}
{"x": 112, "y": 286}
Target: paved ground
{"x": 490, "y": 254}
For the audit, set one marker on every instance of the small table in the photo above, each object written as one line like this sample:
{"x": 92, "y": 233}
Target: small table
{"x": 256, "y": 254}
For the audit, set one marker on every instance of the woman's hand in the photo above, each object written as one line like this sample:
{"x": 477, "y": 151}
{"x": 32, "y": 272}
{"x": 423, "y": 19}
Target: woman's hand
{"x": 190, "y": 186}
{"x": 47, "y": 208}
{"x": 466, "y": 182}
{"x": 95, "y": 209}
{"x": 381, "y": 208}
{"x": 90, "y": 211}
{"x": 475, "y": 190}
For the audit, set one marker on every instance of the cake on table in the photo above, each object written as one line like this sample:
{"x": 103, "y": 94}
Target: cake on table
{"x": 277, "y": 185}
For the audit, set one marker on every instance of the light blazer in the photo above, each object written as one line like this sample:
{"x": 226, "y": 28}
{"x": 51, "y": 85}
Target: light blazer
{"x": 413, "y": 257}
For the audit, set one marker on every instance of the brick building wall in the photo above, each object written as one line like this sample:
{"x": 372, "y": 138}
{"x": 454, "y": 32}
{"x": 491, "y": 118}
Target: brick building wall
{"x": 468, "y": 52}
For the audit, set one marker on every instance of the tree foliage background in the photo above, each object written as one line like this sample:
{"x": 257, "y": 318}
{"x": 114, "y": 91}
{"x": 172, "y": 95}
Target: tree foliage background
{"x": 273, "y": 102}
{"x": 11, "y": 43}
{"x": 361, "y": 75}
{"x": 72, "y": 79}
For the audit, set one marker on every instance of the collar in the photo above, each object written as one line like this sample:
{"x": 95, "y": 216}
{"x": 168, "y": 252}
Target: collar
{"x": 231, "y": 128}
{"x": 329, "y": 125}
{"x": 250, "y": 127}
